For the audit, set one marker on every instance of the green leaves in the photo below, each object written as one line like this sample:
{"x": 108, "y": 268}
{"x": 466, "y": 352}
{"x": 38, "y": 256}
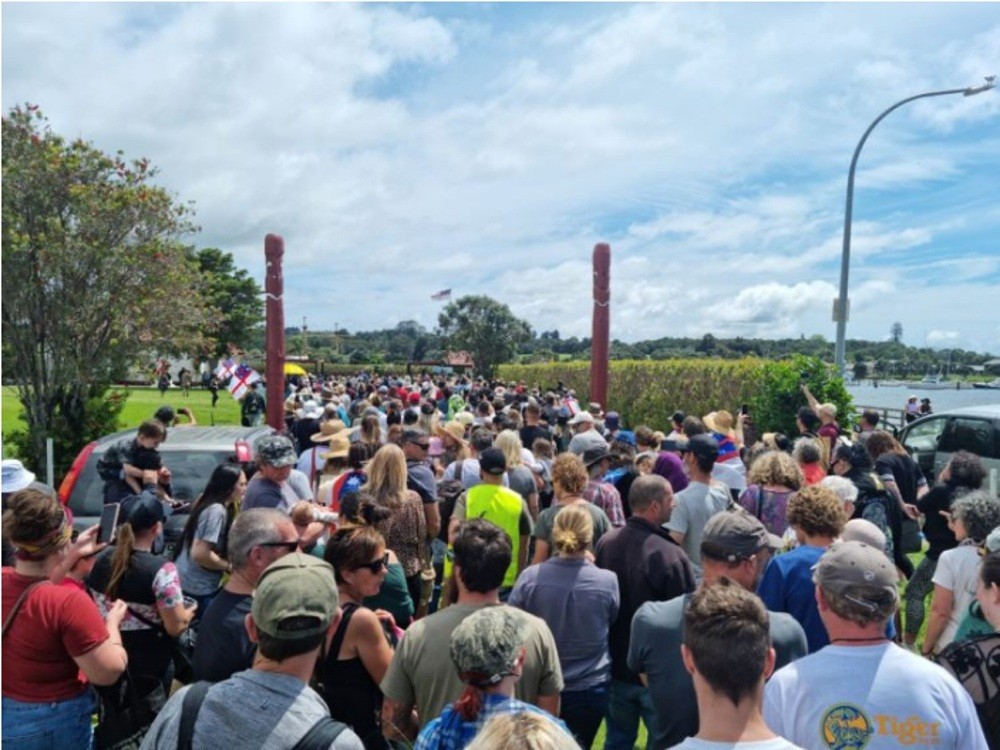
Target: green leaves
{"x": 487, "y": 329}
{"x": 648, "y": 392}
{"x": 94, "y": 273}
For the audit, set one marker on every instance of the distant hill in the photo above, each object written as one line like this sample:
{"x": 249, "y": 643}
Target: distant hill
{"x": 409, "y": 341}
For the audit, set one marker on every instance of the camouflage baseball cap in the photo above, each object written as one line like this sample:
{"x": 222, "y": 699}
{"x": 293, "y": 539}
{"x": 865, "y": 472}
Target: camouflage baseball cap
{"x": 486, "y": 644}
{"x": 275, "y": 450}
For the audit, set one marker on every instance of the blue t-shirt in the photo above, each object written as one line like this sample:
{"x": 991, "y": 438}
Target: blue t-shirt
{"x": 787, "y": 586}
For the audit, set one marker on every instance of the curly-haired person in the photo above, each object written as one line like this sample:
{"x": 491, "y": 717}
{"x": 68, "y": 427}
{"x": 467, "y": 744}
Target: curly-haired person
{"x": 817, "y": 516}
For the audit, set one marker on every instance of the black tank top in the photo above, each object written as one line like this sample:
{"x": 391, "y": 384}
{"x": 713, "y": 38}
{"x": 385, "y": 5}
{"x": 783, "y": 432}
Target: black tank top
{"x": 352, "y": 695}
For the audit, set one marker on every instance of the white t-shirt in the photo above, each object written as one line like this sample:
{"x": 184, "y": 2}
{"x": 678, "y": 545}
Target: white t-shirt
{"x": 469, "y": 476}
{"x": 730, "y": 475}
{"x": 875, "y": 697}
{"x": 957, "y": 570}
{"x": 778, "y": 743}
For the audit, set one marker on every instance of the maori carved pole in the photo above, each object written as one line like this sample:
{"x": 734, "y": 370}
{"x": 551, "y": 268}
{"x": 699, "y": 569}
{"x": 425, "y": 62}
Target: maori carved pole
{"x": 274, "y": 288}
{"x": 602, "y": 316}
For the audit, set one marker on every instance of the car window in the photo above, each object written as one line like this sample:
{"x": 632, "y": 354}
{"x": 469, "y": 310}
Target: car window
{"x": 970, "y": 434}
{"x": 190, "y": 472}
{"x": 924, "y": 436}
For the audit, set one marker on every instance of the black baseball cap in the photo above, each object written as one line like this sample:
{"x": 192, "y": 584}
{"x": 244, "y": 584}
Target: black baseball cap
{"x": 703, "y": 446}
{"x": 493, "y": 461}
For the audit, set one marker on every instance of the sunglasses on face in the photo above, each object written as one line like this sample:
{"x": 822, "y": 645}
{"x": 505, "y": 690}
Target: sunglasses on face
{"x": 376, "y": 566}
{"x": 422, "y": 446}
{"x": 287, "y": 546}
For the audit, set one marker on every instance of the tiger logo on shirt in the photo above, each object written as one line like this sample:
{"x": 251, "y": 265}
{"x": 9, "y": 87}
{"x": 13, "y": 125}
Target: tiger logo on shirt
{"x": 845, "y": 726}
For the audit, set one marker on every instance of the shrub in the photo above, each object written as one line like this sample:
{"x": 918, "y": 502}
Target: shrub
{"x": 648, "y": 392}
{"x": 74, "y": 424}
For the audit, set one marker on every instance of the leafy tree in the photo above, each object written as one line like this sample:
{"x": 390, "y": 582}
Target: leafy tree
{"x": 487, "y": 329}
{"x": 778, "y": 395}
{"x": 896, "y": 333}
{"x": 94, "y": 279}
{"x": 233, "y": 296}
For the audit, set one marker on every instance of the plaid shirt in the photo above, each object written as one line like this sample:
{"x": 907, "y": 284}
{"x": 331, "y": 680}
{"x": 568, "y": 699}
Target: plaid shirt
{"x": 449, "y": 732}
{"x": 606, "y": 497}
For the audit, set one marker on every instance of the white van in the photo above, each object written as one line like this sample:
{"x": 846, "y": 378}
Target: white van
{"x": 976, "y": 429}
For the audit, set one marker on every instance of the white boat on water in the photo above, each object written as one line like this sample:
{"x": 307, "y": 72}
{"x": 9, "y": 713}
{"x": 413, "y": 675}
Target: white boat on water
{"x": 931, "y": 382}
{"x": 993, "y": 385}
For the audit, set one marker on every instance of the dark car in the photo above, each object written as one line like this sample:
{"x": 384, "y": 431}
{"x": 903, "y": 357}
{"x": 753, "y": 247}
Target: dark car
{"x": 191, "y": 454}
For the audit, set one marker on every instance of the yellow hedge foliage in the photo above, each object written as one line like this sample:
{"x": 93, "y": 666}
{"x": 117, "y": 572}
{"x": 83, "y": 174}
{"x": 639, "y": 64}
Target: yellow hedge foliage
{"x": 648, "y": 392}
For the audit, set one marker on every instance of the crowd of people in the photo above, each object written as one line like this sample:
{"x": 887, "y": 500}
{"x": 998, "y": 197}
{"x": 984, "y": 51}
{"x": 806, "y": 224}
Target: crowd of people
{"x": 444, "y": 563}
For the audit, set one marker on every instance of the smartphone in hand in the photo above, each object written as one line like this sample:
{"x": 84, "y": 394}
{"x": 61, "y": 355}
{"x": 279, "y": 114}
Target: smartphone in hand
{"x": 109, "y": 522}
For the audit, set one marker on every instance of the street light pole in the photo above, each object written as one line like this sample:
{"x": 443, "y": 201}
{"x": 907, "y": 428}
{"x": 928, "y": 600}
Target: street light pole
{"x": 841, "y": 309}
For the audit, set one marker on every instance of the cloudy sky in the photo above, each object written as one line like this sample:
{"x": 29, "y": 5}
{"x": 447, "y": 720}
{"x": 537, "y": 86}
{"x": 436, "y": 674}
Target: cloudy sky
{"x": 402, "y": 149}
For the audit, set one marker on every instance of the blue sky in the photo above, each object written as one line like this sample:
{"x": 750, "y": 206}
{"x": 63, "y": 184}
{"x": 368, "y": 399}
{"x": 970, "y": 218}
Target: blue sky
{"x": 401, "y": 149}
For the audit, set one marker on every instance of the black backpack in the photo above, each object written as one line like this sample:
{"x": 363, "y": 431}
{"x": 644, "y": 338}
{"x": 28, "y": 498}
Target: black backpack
{"x": 319, "y": 737}
{"x": 448, "y": 493}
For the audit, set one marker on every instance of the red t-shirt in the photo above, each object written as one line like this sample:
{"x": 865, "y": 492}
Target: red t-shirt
{"x": 55, "y": 624}
{"x": 814, "y": 473}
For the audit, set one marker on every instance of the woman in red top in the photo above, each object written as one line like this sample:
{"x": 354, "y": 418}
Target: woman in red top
{"x": 809, "y": 455}
{"x": 51, "y": 633}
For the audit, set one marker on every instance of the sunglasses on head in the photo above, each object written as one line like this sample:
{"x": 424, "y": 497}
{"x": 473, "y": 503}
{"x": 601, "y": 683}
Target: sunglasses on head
{"x": 376, "y": 566}
{"x": 287, "y": 546}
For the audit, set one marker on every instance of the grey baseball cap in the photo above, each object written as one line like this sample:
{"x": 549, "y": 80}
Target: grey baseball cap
{"x": 736, "y": 535}
{"x": 275, "y": 450}
{"x": 849, "y": 568}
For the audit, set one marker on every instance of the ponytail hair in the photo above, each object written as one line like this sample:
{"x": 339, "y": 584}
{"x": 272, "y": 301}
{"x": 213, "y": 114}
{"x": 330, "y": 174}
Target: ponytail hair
{"x": 360, "y": 509}
{"x": 124, "y": 548}
{"x": 572, "y": 530}
{"x": 470, "y": 703}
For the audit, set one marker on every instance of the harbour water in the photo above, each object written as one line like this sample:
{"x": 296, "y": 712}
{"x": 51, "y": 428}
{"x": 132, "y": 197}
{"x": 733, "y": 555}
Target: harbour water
{"x": 894, "y": 397}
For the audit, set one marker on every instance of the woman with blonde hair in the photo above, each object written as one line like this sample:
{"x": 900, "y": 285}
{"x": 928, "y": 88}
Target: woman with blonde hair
{"x": 579, "y": 602}
{"x": 774, "y": 477}
{"x": 371, "y": 431}
{"x": 520, "y": 478}
{"x": 405, "y": 530}
{"x": 456, "y": 448}
{"x": 522, "y": 731}
{"x": 429, "y": 418}
{"x": 569, "y": 479}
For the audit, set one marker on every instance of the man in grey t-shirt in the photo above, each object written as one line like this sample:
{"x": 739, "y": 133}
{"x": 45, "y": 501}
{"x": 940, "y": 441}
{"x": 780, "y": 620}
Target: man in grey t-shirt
{"x": 275, "y": 456}
{"x": 735, "y": 545}
{"x": 269, "y": 706}
{"x": 700, "y": 501}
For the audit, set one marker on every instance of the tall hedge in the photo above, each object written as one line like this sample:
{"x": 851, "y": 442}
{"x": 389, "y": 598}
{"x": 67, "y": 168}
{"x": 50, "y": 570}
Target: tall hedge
{"x": 648, "y": 392}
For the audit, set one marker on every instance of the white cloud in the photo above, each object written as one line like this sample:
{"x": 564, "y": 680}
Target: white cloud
{"x": 939, "y": 337}
{"x": 400, "y": 149}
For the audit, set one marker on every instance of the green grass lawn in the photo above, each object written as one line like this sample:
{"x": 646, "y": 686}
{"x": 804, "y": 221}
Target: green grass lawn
{"x": 141, "y": 404}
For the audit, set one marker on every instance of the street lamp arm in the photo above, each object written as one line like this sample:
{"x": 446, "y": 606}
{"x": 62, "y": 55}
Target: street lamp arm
{"x": 841, "y": 311}
{"x": 877, "y": 120}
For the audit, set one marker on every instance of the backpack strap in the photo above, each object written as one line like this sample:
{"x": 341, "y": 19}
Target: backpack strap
{"x": 322, "y": 734}
{"x": 193, "y": 699}
{"x": 17, "y": 605}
